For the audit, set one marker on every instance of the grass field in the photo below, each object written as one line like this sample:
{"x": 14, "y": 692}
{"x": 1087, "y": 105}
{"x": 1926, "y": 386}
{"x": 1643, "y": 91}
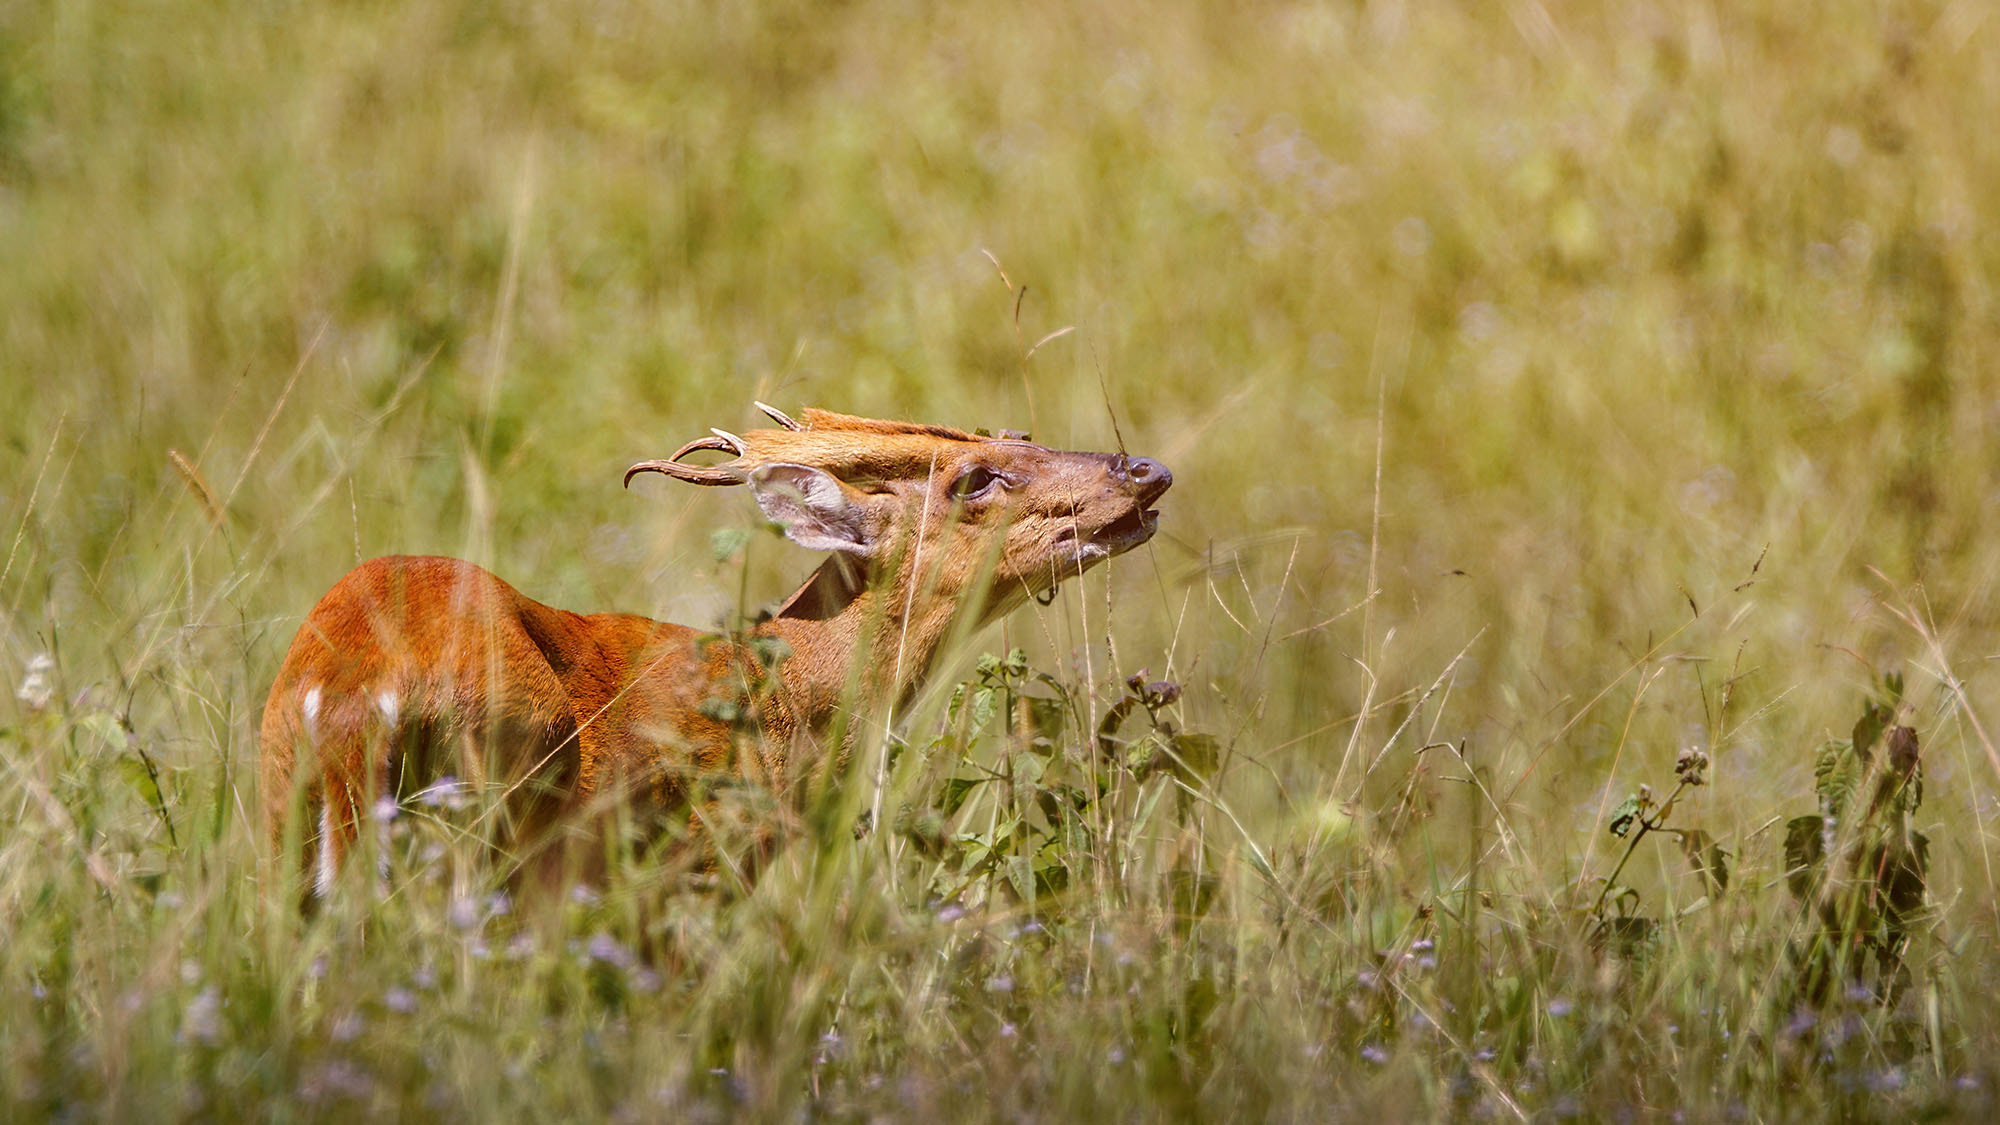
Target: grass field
{"x": 1563, "y": 399}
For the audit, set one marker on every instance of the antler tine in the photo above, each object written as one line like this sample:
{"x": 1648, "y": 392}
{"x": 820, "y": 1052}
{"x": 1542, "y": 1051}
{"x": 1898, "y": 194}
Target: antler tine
{"x": 778, "y": 416}
{"x": 735, "y": 443}
{"x": 718, "y": 442}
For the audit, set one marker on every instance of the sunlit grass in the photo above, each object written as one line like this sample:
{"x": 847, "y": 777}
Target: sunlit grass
{"x": 1550, "y": 390}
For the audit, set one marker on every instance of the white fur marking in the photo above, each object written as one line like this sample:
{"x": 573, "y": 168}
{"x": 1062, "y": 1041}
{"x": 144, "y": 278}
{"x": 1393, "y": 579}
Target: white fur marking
{"x": 386, "y": 700}
{"x": 311, "y": 706}
{"x": 324, "y": 882}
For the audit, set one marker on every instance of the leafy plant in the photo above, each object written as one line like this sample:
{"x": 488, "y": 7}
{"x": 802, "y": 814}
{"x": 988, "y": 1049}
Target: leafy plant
{"x": 1027, "y": 821}
{"x": 1858, "y": 867}
{"x": 1615, "y": 923}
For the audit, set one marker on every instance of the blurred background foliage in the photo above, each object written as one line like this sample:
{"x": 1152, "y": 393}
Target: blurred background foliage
{"x": 1632, "y": 300}
{"x": 1629, "y": 298}
{"x": 1589, "y": 336}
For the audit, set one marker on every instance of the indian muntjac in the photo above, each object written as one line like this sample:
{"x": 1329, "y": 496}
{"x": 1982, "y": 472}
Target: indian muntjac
{"x": 411, "y": 669}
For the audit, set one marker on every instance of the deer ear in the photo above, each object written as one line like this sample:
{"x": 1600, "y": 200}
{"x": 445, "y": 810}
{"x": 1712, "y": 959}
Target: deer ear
{"x": 813, "y": 507}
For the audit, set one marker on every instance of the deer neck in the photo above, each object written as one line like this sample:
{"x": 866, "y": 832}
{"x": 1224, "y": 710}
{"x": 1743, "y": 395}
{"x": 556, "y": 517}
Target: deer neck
{"x": 852, "y": 638}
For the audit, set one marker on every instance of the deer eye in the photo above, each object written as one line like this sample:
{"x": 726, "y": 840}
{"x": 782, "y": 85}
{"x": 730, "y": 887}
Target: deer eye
{"x": 974, "y": 482}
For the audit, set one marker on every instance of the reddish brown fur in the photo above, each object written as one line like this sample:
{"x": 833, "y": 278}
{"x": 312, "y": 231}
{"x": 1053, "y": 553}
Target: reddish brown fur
{"x": 458, "y": 673}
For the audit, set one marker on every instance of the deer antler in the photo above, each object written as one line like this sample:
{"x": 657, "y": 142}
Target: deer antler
{"x": 778, "y": 416}
{"x": 713, "y": 476}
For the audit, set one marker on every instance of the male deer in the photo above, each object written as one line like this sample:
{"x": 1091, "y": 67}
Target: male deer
{"x": 411, "y": 669}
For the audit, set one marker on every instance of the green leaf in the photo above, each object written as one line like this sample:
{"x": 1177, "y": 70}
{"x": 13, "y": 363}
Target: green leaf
{"x": 1901, "y": 788}
{"x": 1051, "y": 874}
{"x": 1625, "y": 814}
{"x": 952, "y": 707}
{"x": 982, "y": 707}
{"x": 956, "y": 790}
{"x": 1805, "y": 853}
{"x": 141, "y": 780}
{"x": 1021, "y": 876}
{"x": 1047, "y": 718}
{"x": 1003, "y": 836}
{"x": 1051, "y": 808}
{"x": 1874, "y": 719}
{"x": 1836, "y": 774}
{"x": 1028, "y": 768}
{"x": 1196, "y": 754}
{"x": 974, "y": 855}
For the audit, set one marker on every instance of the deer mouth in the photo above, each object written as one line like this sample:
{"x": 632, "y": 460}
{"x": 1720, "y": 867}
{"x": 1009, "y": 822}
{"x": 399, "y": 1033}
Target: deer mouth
{"x": 1128, "y": 530}
{"x": 1115, "y": 538}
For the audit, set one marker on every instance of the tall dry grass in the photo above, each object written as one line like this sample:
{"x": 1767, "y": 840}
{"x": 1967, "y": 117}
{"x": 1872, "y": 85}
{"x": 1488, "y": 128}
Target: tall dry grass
{"x": 1551, "y": 388}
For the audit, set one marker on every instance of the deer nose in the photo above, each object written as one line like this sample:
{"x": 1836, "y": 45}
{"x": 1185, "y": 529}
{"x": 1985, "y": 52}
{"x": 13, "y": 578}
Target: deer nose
{"x": 1151, "y": 477}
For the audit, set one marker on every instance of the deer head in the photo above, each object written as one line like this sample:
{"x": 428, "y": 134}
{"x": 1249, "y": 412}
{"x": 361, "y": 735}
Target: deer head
{"x": 945, "y": 522}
